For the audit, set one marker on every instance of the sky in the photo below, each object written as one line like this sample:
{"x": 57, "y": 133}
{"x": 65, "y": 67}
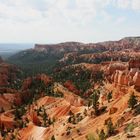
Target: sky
{"x": 53, "y": 21}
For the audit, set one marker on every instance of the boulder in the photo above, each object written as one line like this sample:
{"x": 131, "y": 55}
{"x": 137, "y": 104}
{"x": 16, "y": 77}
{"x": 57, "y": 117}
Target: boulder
{"x": 112, "y": 110}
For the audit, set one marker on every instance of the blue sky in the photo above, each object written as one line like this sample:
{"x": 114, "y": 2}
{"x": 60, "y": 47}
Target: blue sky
{"x": 52, "y": 21}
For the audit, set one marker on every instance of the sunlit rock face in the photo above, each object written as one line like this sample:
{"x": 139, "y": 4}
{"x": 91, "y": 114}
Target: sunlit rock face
{"x": 136, "y": 80}
{"x": 112, "y": 71}
{"x": 121, "y": 80}
{"x": 124, "y": 76}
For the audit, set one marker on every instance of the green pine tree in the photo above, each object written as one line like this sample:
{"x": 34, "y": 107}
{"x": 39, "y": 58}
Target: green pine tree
{"x": 132, "y": 101}
{"x": 102, "y": 135}
{"x": 53, "y": 138}
{"x": 110, "y": 128}
{"x": 109, "y": 96}
{"x": 95, "y": 101}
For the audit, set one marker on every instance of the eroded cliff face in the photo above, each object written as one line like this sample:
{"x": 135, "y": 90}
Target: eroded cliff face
{"x": 136, "y": 80}
{"x": 113, "y": 70}
{"x": 123, "y": 76}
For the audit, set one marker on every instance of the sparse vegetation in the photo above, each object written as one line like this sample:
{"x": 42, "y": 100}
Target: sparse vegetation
{"x": 95, "y": 102}
{"x": 109, "y": 96}
{"x": 110, "y": 128}
{"x": 137, "y": 110}
{"x": 71, "y": 95}
{"x": 130, "y": 127}
{"x": 53, "y": 138}
{"x": 132, "y": 101}
{"x": 90, "y": 137}
{"x": 102, "y": 135}
{"x": 81, "y": 78}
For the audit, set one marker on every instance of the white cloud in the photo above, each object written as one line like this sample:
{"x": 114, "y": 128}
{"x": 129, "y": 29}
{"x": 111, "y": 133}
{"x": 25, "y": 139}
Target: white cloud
{"x": 127, "y": 4}
{"x": 136, "y": 4}
{"x": 120, "y": 20}
{"x": 83, "y": 10}
{"x": 39, "y": 20}
{"x": 123, "y": 3}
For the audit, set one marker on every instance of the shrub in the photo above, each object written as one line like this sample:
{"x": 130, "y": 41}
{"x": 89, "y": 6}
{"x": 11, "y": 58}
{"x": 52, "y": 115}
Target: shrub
{"x": 109, "y": 96}
{"x": 110, "y": 128}
{"x": 132, "y": 101}
{"x": 130, "y": 127}
{"x": 137, "y": 110}
{"x": 102, "y": 135}
{"x": 90, "y": 137}
{"x": 95, "y": 102}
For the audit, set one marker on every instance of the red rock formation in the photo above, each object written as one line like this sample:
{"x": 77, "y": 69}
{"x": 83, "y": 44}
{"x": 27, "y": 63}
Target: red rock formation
{"x": 124, "y": 78}
{"x": 42, "y": 77}
{"x": 26, "y": 83}
{"x": 111, "y": 70}
{"x": 112, "y": 110}
{"x": 34, "y": 118}
{"x": 45, "y": 78}
{"x": 7, "y": 73}
{"x": 134, "y": 63}
{"x": 69, "y": 85}
{"x": 116, "y": 66}
{"x": 136, "y": 80}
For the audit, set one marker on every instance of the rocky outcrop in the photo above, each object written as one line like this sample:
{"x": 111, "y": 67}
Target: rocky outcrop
{"x": 123, "y": 78}
{"x": 7, "y": 73}
{"x": 116, "y": 66}
{"x": 127, "y": 77}
{"x": 73, "y": 99}
{"x": 136, "y": 80}
{"x": 26, "y": 83}
{"x": 71, "y": 87}
{"x": 45, "y": 78}
{"x": 112, "y": 71}
{"x": 40, "y": 77}
{"x": 112, "y": 110}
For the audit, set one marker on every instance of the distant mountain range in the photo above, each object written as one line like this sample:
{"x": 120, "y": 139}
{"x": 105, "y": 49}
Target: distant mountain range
{"x": 7, "y": 49}
{"x": 47, "y": 51}
{"x": 48, "y": 55}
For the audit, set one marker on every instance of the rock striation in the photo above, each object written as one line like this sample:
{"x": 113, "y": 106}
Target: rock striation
{"x": 127, "y": 77}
